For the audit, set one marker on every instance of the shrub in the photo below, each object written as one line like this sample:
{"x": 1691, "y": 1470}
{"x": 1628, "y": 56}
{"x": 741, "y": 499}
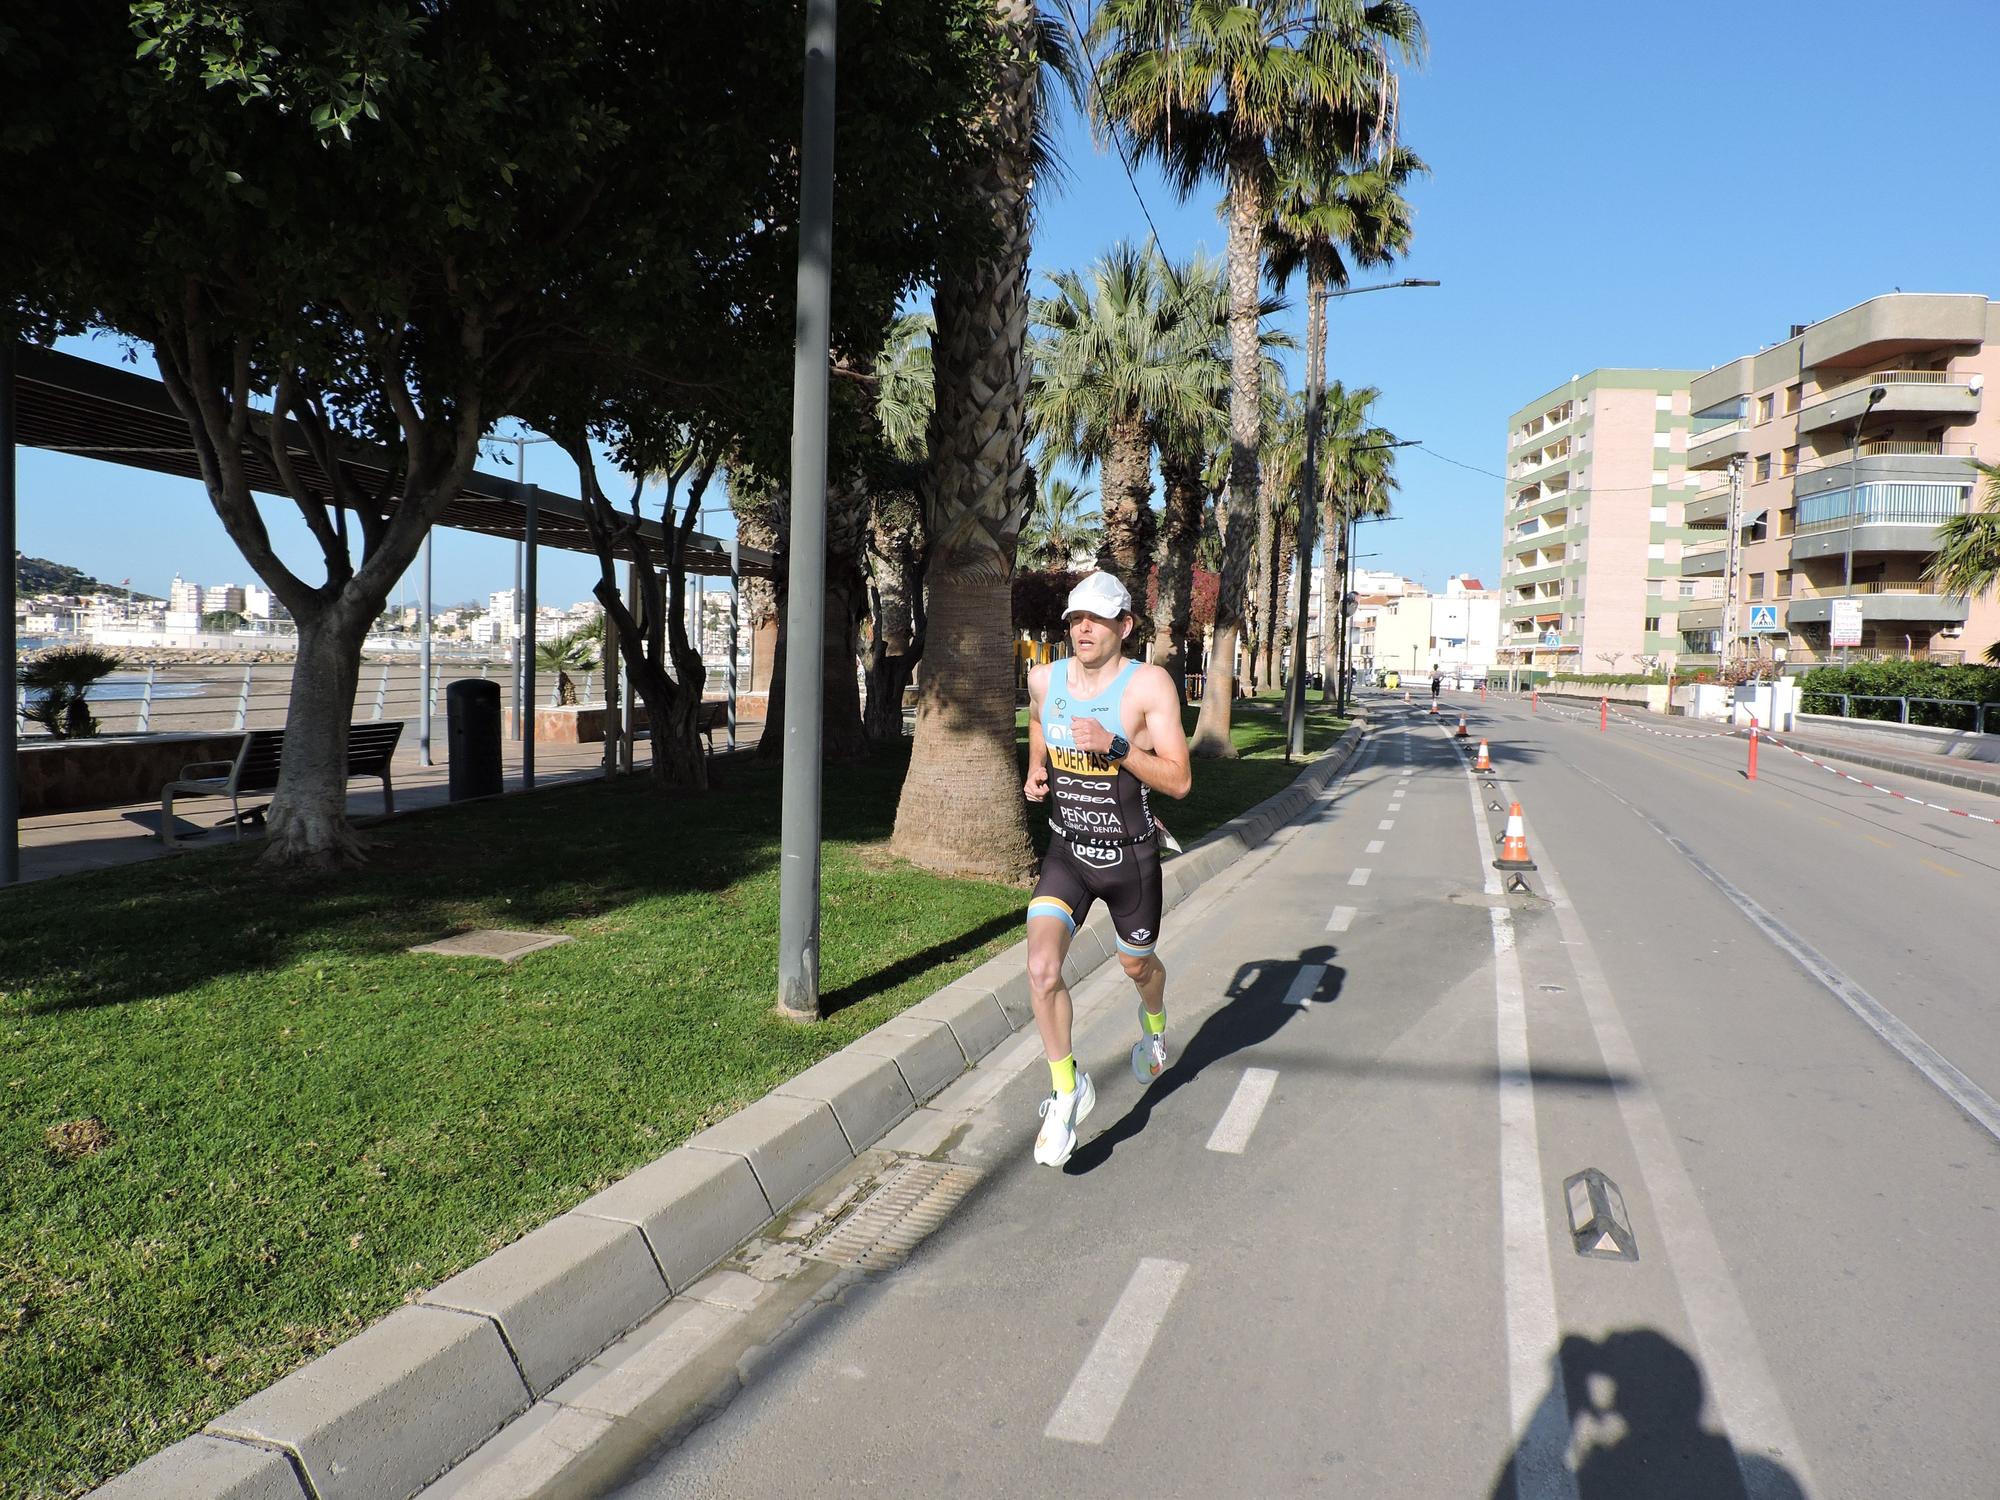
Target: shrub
{"x": 1904, "y": 679}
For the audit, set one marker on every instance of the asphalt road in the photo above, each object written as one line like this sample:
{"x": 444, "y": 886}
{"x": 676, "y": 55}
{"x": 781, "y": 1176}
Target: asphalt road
{"x": 1330, "y": 1251}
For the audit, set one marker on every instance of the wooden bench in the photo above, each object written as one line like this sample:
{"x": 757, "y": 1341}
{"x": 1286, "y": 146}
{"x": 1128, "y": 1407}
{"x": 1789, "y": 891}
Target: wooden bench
{"x": 259, "y": 761}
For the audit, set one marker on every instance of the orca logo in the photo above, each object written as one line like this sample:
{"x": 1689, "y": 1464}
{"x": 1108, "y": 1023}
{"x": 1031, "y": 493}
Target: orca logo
{"x": 1061, "y": 705}
{"x": 1104, "y": 859}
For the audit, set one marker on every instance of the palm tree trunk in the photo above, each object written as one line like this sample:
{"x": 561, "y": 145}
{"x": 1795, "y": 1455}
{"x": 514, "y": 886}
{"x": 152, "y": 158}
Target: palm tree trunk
{"x": 1180, "y": 533}
{"x": 1127, "y": 476}
{"x": 1330, "y": 596}
{"x": 1246, "y": 436}
{"x": 961, "y": 809}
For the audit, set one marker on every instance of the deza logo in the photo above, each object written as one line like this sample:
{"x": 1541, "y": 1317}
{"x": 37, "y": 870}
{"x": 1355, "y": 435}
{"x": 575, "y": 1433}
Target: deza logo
{"x": 1090, "y": 854}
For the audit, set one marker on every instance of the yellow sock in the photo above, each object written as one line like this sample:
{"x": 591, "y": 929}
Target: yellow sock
{"x": 1155, "y": 1021}
{"x": 1063, "y": 1074}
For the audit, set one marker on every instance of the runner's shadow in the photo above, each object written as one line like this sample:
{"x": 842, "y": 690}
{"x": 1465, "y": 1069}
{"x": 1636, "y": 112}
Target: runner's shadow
{"x": 1632, "y": 1422}
{"x": 1255, "y": 1012}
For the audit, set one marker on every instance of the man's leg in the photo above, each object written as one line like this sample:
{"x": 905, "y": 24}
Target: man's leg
{"x": 1049, "y": 937}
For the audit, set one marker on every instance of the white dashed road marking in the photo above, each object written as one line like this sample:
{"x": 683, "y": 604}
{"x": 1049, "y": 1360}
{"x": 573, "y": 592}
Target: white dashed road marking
{"x": 1305, "y": 984}
{"x": 1360, "y": 876}
{"x": 1374, "y": 847}
{"x": 1341, "y": 920}
{"x": 1246, "y": 1108}
{"x": 1101, "y": 1385}
{"x": 1386, "y": 824}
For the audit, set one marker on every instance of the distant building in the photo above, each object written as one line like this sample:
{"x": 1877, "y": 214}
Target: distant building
{"x": 219, "y": 597}
{"x": 1592, "y": 525}
{"x": 183, "y": 598}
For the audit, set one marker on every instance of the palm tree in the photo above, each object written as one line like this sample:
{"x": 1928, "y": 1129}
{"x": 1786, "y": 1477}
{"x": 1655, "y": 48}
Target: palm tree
{"x": 1360, "y": 478}
{"x": 1968, "y": 559}
{"x": 1059, "y": 529}
{"x": 905, "y": 385}
{"x": 1326, "y": 201}
{"x": 1125, "y": 347}
{"x": 63, "y": 678}
{"x": 1205, "y": 87}
{"x": 576, "y": 651}
{"x": 961, "y": 810}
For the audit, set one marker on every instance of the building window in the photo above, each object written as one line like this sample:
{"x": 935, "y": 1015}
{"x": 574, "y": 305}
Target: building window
{"x": 1652, "y": 624}
{"x": 1663, "y": 403}
{"x": 1761, "y": 468}
{"x": 1788, "y": 462}
{"x": 1784, "y": 583}
{"x": 1663, "y": 440}
{"x": 1657, "y": 551}
{"x": 1791, "y": 399}
{"x": 1764, "y": 404}
{"x": 1756, "y": 585}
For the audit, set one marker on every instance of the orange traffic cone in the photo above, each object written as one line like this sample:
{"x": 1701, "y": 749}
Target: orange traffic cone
{"x": 1462, "y": 731}
{"x": 1514, "y": 858}
{"x": 1484, "y": 762}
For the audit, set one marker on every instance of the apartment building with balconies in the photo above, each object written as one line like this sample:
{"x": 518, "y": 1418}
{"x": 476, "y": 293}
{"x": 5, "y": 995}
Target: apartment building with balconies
{"x": 1592, "y": 531}
{"x": 1852, "y": 440}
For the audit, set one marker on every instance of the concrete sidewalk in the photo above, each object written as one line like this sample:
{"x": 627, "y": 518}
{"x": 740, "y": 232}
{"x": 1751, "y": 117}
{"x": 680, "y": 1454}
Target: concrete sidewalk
{"x": 67, "y": 843}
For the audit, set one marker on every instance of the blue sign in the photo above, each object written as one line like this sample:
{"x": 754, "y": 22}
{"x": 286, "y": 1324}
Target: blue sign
{"x": 1764, "y": 620}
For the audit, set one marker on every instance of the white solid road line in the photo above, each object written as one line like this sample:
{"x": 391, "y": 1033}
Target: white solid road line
{"x": 1246, "y": 1107}
{"x": 1360, "y": 876}
{"x": 1101, "y": 1385}
{"x": 1541, "y": 1426}
{"x": 1374, "y": 847}
{"x": 1305, "y": 984}
{"x": 1342, "y": 918}
{"x": 1739, "y": 1378}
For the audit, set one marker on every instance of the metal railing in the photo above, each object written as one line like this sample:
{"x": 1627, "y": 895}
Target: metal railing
{"x": 1874, "y": 586}
{"x": 1935, "y": 713}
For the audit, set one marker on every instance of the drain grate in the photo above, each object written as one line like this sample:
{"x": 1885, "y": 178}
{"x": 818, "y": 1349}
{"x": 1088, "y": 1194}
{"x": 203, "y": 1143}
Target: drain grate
{"x": 913, "y": 1200}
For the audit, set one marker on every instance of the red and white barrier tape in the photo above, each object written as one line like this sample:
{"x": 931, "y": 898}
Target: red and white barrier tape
{"x": 1956, "y": 812}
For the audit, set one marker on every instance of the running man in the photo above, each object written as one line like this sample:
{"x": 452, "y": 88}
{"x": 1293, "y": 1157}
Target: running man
{"x": 1437, "y": 686}
{"x": 1103, "y": 733}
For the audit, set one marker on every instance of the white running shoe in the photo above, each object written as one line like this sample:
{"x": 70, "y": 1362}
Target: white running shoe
{"x": 1062, "y": 1114}
{"x": 1149, "y": 1053}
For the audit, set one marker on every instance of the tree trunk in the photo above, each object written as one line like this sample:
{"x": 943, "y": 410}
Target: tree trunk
{"x": 896, "y": 642}
{"x": 309, "y": 830}
{"x": 1246, "y": 436}
{"x": 1180, "y": 533}
{"x": 1333, "y": 586}
{"x": 1127, "y": 484}
{"x": 962, "y": 809}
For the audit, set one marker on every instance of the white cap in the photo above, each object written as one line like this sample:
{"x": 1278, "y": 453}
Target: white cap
{"x": 1099, "y": 594}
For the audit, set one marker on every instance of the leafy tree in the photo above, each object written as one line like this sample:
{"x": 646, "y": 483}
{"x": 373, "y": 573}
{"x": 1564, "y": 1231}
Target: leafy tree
{"x": 222, "y": 621}
{"x": 563, "y": 205}
{"x": 1205, "y": 87}
{"x": 904, "y": 393}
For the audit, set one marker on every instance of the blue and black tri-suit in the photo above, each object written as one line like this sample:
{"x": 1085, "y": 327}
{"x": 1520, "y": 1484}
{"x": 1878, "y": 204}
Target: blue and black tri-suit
{"x": 1106, "y": 842}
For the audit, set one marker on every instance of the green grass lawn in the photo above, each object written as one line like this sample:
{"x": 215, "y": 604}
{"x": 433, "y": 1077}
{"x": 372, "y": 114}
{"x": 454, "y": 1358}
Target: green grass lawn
{"x": 303, "y": 1124}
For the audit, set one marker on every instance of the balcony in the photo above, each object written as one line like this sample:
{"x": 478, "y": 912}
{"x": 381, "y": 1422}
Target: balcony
{"x": 1717, "y": 445}
{"x": 1893, "y": 462}
{"x": 1910, "y": 392}
{"x": 1711, "y": 505}
{"x": 1705, "y": 559}
{"x": 1889, "y": 517}
{"x": 1703, "y": 617}
{"x": 1914, "y": 602}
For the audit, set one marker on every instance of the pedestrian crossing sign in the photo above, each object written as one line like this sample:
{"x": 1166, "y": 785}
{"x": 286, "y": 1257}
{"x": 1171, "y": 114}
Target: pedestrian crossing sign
{"x": 1764, "y": 619}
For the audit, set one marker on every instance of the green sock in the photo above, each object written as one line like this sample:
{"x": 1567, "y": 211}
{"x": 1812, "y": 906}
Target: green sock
{"x": 1155, "y": 1021}
{"x": 1063, "y": 1074}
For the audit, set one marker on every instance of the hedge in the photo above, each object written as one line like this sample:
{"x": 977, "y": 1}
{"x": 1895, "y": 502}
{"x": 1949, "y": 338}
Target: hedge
{"x": 1905, "y": 679}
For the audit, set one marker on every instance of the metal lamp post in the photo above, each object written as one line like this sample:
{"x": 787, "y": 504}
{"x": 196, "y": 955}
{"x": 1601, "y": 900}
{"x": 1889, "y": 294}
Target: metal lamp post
{"x": 1875, "y": 394}
{"x": 805, "y": 623}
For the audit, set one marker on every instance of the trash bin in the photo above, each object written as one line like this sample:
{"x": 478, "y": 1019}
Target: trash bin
{"x": 472, "y": 737}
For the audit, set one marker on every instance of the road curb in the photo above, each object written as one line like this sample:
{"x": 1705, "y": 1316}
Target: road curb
{"x": 1969, "y": 781}
{"x": 386, "y": 1413}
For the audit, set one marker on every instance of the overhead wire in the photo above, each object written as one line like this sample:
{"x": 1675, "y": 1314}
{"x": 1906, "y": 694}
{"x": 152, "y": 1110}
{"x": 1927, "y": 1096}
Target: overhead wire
{"x": 1117, "y": 142}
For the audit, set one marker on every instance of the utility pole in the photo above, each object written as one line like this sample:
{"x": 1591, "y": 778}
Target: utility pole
{"x": 805, "y": 619}
{"x": 1729, "y": 568}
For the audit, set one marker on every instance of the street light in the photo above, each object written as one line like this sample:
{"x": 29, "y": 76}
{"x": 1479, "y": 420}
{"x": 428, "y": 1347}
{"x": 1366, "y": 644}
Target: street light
{"x": 1875, "y": 394}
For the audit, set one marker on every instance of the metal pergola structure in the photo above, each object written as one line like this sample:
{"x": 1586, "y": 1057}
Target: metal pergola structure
{"x": 67, "y": 404}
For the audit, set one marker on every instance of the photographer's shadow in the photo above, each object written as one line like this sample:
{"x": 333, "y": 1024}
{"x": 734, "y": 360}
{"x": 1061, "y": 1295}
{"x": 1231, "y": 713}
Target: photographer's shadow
{"x": 1632, "y": 1428}
{"x": 1255, "y": 1012}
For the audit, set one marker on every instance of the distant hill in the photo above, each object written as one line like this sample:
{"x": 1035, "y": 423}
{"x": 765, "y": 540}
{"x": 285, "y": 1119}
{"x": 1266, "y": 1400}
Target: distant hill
{"x": 37, "y": 575}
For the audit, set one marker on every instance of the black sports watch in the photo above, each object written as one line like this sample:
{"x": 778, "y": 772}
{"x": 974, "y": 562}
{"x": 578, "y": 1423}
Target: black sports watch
{"x": 1120, "y": 747}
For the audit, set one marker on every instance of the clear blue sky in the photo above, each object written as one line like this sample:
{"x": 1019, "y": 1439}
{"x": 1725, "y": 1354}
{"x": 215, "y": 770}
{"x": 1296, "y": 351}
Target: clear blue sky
{"x": 1646, "y": 185}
